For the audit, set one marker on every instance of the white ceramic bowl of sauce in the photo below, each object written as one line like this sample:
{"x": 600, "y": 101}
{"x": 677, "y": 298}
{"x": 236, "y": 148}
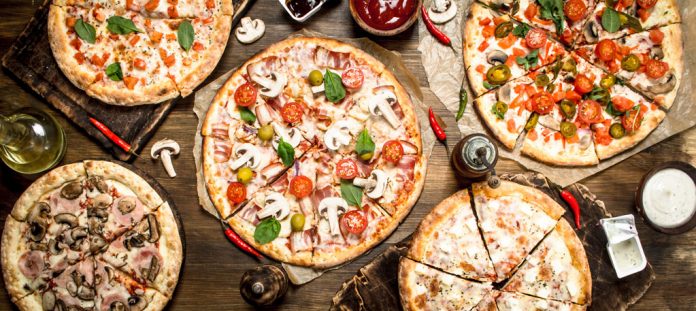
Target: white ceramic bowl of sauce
{"x": 666, "y": 198}
{"x": 301, "y": 10}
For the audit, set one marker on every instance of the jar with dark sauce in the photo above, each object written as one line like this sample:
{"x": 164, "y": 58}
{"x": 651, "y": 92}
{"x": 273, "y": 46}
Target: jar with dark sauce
{"x": 474, "y": 158}
{"x": 385, "y": 14}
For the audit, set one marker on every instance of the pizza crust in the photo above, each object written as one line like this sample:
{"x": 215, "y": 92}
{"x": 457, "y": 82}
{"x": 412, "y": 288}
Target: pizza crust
{"x": 46, "y": 183}
{"x": 109, "y": 170}
{"x": 673, "y": 50}
{"x": 164, "y": 89}
{"x": 12, "y": 250}
{"x": 274, "y": 249}
{"x": 171, "y": 249}
{"x": 527, "y": 194}
{"x": 79, "y": 75}
{"x": 538, "y": 151}
{"x": 651, "y": 120}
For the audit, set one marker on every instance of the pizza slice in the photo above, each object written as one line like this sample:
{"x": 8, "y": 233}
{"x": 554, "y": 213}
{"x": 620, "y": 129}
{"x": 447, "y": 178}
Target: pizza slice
{"x": 649, "y": 61}
{"x": 627, "y": 17}
{"x": 159, "y": 9}
{"x": 114, "y": 290}
{"x": 488, "y": 302}
{"x": 563, "y": 19}
{"x": 498, "y": 49}
{"x": 516, "y": 301}
{"x": 424, "y": 288}
{"x": 557, "y": 269}
{"x": 449, "y": 239}
{"x": 513, "y": 220}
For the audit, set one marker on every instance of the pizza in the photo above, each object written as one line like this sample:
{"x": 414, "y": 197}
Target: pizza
{"x": 511, "y": 251}
{"x": 63, "y": 230}
{"x": 312, "y": 152}
{"x": 138, "y": 52}
{"x": 585, "y": 94}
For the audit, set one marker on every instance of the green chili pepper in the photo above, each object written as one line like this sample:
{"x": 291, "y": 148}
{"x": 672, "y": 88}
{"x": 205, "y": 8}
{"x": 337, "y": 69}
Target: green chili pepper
{"x": 463, "y": 99}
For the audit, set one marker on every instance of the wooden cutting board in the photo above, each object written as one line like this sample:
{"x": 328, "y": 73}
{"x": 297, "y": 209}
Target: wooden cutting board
{"x": 375, "y": 286}
{"x": 31, "y": 60}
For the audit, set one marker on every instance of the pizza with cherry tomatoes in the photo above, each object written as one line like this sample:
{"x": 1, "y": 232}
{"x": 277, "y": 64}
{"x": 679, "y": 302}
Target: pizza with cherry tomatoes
{"x": 141, "y": 51}
{"x": 312, "y": 152}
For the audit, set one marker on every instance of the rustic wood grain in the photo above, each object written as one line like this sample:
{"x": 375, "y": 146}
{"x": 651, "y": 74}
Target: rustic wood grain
{"x": 213, "y": 267}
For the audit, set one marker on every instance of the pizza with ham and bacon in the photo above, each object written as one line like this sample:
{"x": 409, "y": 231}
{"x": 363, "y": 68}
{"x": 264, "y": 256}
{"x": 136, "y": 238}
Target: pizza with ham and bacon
{"x": 573, "y": 82}
{"x": 312, "y": 152}
{"x": 135, "y": 52}
{"x": 91, "y": 235}
{"x": 508, "y": 248}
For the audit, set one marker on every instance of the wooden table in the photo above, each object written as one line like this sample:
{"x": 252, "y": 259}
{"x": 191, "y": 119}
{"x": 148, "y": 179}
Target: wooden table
{"x": 213, "y": 267}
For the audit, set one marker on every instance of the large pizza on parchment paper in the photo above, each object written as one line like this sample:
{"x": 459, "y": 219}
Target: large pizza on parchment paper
{"x": 312, "y": 152}
{"x": 91, "y": 235}
{"x": 573, "y": 82}
{"x": 511, "y": 250}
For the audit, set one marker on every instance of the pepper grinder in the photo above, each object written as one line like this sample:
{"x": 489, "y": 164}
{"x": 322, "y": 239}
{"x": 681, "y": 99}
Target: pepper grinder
{"x": 263, "y": 285}
{"x": 474, "y": 158}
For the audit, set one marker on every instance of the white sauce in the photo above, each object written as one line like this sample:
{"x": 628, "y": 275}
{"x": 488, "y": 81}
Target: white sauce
{"x": 669, "y": 198}
{"x": 626, "y": 255}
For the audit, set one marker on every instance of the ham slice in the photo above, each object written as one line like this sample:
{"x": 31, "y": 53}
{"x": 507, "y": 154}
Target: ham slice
{"x": 264, "y": 66}
{"x": 324, "y": 57}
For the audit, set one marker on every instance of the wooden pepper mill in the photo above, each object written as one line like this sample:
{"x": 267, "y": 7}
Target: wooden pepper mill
{"x": 263, "y": 285}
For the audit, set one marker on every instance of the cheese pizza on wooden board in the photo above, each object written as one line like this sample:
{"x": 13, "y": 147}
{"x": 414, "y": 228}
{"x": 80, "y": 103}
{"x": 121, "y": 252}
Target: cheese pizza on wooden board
{"x": 573, "y": 82}
{"x": 91, "y": 235}
{"x": 312, "y": 152}
{"x": 138, "y": 52}
{"x": 538, "y": 260}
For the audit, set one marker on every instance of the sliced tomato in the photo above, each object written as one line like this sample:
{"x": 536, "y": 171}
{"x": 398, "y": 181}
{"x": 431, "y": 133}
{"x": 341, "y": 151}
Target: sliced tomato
{"x": 656, "y": 36}
{"x": 392, "y": 151}
{"x": 245, "y": 95}
{"x": 647, "y": 4}
{"x": 301, "y": 186}
{"x": 575, "y": 10}
{"x": 589, "y": 112}
{"x": 535, "y": 38}
{"x": 347, "y": 169}
{"x": 656, "y": 68}
{"x": 292, "y": 112}
{"x": 531, "y": 11}
{"x": 622, "y": 104}
{"x": 631, "y": 120}
{"x": 542, "y": 102}
{"x": 352, "y": 78}
{"x": 583, "y": 84}
{"x": 354, "y": 222}
{"x": 236, "y": 192}
{"x": 605, "y": 50}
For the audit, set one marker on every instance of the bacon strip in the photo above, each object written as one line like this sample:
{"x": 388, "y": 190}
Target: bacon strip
{"x": 264, "y": 67}
{"x": 222, "y": 150}
{"x": 335, "y": 60}
{"x": 302, "y": 241}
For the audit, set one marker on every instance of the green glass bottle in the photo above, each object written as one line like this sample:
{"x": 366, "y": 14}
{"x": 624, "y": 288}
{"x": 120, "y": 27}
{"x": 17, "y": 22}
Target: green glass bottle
{"x": 31, "y": 141}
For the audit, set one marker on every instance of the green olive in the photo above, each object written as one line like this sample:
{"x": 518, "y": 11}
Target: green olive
{"x": 503, "y": 29}
{"x": 532, "y": 122}
{"x": 297, "y": 222}
{"x": 266, "y": 132}
{"x": 568, "y": 129}
{"x": 542, "y": 80}
{"x": 568, "y": 108}
{"x": 316, "y": 78}
{"x": 570, "y": 65}
{"x": 617, "y": 130}
{"x": 244, "y": 175}
{"x": 607, "y": 82}
{"x": 366, "y": 156}
{"x": 498, "y": 74}
{"x": 630, "y": 63}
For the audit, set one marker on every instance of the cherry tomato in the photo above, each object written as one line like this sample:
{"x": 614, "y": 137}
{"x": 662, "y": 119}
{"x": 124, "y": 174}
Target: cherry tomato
{"x": 542, "y": 103}
{"x": 605, "y": 50}
{"x": 536, "y": 38}
{"x": 354, "y": 222}
{"x": 589, "y": 112}
{"x": 291, "y": 112}
{"x": 631, "y": 120}
{"x": 352, "y": 78}
{"x": 236, "y": 192}
{"x": 647, "y": 4}
{"x": 245, "y": 95}
{"x": 301, "y": 186}
{"x": 622, "y": 104}
{"x": 346, "y": 169}
{"x": 583, "y": 84}
{"x": 575, "y": 10}
{"x": 656, "y": 68}
{"x": 393, "y": 151}
{"x": 531, "y": 11}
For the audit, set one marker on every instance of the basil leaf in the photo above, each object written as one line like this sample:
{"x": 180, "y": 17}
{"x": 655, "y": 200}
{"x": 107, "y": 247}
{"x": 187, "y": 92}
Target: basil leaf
{"x": 364, "y": 144}
{"x": 85, "y": 31}
{"x": 515, "y": 7}
{"x": 612, "y": 111}
{"x": 267, "y": 230}
{"x": 610, "y": 20}
{"x": 114, "y": 72}
{"x": 286, "y": 152}
{"x": 121, "y": 25}
{"x": 333, "y": 87}
{"x": 184, "y": 34}
{"x": 351, "y": 193}
{"x": 521, "y": 30}
{"x": 553, "y": 10}
{"x": 529, "y": 61}
{"x": 247, "y": 115}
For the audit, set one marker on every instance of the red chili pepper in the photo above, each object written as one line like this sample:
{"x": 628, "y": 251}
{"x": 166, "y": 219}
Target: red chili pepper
{"x": 237, "y": 240}
{"x": 439, "y": 132}
{"x": 111, "y": 135}
{"x": 570, "y": 199}
{"x": 437, "y": 33}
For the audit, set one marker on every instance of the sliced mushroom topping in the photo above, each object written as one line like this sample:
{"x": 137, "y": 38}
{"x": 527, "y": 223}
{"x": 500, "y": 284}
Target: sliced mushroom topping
{"x": 133, "y": 240}
{"x": 117, "y": 260}
{"x": 338, "y": 135}
{"x": 85, "y": 292}
{"x": 670, "y": 82}
{"x": 154, "y": 269}
{"x": 291, "y": 136}
{"x": 381, "y": 105}
{"x": 95, "y": 225}
{"x": 97, "y": 244}
{"x": 102, "y": 200}
{"x": 550, "y": 122}
{"x": 71, "y": 190}
{"x": 48, "y": 300}
{"x": 67, "y": 219}
{"x": 274, "y": 205}
{"x": 246, "y": 154}
{"x": 656, "y": 52}
{"x": 271, "y": 85}
{"x": 126, "y": 205}
{"x": 117, "y": 306}
{"x": 98, "y": 213}
{"x": 40, "y": 212}
{"x": 331, "y": 208}
{"x": 442, "y": 11}
{"x": 60, "y": 306}
{"x": 496, "y": 57}
{"x": 137, "y": 303}
{"x": 54, "y": 247}
{"x": 374, "y": 185}
{"x": 504, "y": 93}
{"x": 153, "y": 226}
{"x": 585, "y": 142}
{"x": 97, "y": 183}
{"x": 71, "y": 286}
{"x": 590, "y": 32}
{"x": 38, "y": 246}
{"x": 78, "y": 233}
{"x": 37, "y": 231}
{"x": 109, "y": 274}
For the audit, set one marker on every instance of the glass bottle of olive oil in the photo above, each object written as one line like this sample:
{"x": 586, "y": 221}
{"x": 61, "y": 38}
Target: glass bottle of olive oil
{"x": 31, "y": 141}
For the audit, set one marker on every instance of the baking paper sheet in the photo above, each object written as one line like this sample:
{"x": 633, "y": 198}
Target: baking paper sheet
{"x": 445, "y": 72}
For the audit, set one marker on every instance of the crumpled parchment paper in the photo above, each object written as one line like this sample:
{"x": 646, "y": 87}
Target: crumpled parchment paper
{"x": 392, "y": 60}
{"x": 445, "y": 73}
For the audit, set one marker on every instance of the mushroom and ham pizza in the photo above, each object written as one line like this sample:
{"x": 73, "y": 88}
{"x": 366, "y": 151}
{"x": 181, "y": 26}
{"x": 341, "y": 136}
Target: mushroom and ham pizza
{"x": 91, "y": 235}
{"x": 511, "y": 251}
{"x": 138, "y": 52}
{"x": 312, "y": 152}
{"x": 601, "y": 83}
